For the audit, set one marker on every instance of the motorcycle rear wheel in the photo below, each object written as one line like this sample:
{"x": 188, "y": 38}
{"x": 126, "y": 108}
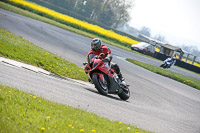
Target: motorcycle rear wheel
{"x": 125, "y": 94}
{"x": 102, "y": 88}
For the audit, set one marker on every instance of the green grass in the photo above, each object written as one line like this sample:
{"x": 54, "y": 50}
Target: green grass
{"x": 21, "y": 112}
{"x": 15, "y": 47}
{"x": 193, "y": 82}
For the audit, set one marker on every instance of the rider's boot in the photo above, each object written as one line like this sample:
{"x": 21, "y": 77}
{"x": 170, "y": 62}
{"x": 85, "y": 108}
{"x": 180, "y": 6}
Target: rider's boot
{"x": 120, "y": 76}
{"x": 122, "y": 80}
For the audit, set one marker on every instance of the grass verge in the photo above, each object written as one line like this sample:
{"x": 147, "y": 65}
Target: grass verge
{"x": 21, "y": 112}
{"x": 193, "y": 82}
{"x": 15, "y": 47}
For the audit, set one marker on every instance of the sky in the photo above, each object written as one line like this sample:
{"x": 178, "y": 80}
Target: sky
{"x": 177, "y": 20}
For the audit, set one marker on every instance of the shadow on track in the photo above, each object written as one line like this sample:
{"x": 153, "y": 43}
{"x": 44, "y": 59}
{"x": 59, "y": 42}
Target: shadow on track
{"x": 108, "y": 96}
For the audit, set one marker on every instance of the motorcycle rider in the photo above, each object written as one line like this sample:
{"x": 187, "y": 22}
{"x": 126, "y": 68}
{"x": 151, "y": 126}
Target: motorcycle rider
{"x": 97, "y": 48}
{"x": 171, "y": 60}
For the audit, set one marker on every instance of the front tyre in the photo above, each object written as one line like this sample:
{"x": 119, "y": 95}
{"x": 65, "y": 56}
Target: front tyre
{"x": 163, "y": 66}
{"x": 101, "y": 87}
{"x": 125, "y": 94}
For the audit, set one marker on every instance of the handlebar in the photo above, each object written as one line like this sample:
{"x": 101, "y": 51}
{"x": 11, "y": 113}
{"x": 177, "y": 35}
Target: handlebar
{"x": 84, "y": 63}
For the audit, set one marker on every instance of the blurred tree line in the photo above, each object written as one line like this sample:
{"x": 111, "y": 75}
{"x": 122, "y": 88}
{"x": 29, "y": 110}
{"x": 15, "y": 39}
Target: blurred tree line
{"x": 108, "y": 12}
{"x": 191, "y": 49}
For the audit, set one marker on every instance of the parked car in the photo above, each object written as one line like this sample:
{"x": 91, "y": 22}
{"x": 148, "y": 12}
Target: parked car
{"x": 144, "y": 48}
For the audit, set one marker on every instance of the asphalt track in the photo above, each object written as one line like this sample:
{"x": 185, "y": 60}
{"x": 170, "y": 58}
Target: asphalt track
{"x": 156, "y": 104}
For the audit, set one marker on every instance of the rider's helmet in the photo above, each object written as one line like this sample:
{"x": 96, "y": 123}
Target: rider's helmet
{"x": 95, "y": 44}
{"x": 174, "y": 57}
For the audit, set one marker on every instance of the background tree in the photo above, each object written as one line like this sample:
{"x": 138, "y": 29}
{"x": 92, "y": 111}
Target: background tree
{"x": 120, "y": 9}
{"x": 145, "y": 31}
{"x": 108, "y": 12}
{"x": 160, "y": 38}
{"x": 191, "y": 49}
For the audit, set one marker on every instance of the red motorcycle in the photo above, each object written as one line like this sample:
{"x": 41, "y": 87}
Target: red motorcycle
{"x": 105, "y": 78}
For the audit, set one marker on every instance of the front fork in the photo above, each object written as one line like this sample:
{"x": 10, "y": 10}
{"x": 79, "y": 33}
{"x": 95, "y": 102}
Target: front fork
{"x": 101, "y": 76}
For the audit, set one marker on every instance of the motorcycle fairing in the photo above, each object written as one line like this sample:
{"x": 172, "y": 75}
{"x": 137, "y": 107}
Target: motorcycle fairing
{"x": 105, "y": 68}
{"x": 113, "y": 87}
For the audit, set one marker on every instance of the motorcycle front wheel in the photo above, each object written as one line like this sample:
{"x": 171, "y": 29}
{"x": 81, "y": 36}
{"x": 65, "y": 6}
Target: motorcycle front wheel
{"x": 125, "y": 94}
{"x": 101, "y": 87}
{"x": 163, "y": 66}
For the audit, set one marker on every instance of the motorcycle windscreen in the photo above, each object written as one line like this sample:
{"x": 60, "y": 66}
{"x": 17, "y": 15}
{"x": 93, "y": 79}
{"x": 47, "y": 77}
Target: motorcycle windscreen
{"x": 90, "y": 58}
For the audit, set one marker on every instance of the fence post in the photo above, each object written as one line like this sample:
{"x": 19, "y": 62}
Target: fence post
{"x": 187, "y": 57}
{"x": 194, "y": 59}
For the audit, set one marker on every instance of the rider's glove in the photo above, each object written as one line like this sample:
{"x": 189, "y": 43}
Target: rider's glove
{"x": 109, "y": 58}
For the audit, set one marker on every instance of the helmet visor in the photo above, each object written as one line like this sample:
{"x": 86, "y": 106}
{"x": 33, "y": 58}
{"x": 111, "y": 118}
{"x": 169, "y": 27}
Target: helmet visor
{"x": 94, "y": 47}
